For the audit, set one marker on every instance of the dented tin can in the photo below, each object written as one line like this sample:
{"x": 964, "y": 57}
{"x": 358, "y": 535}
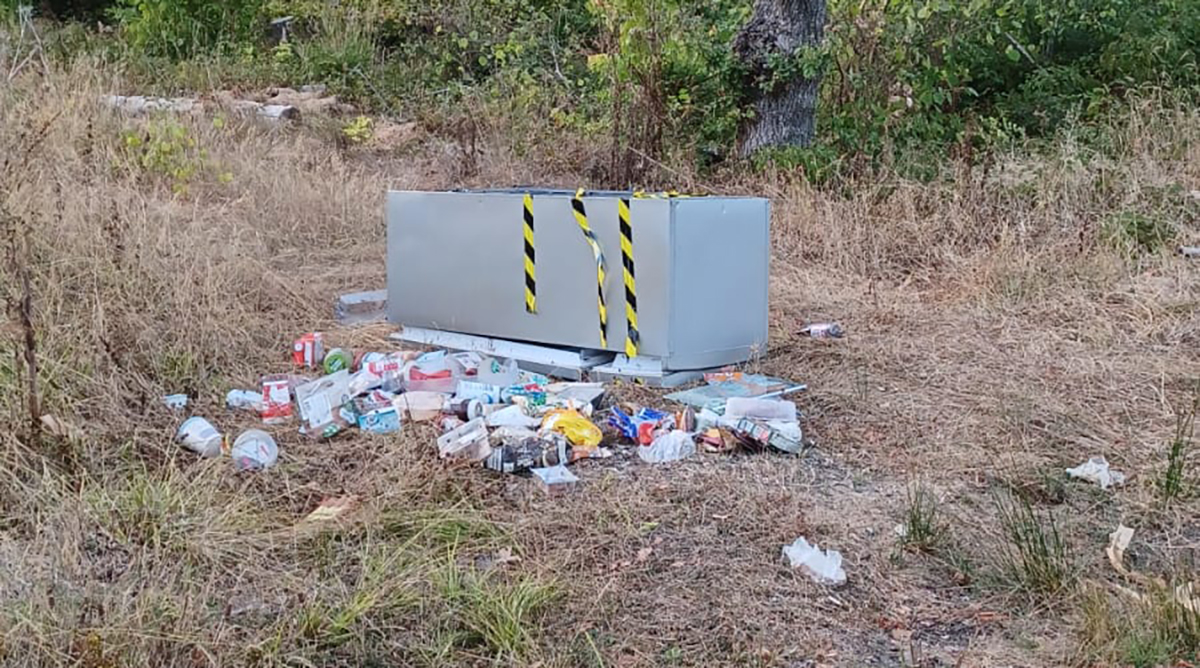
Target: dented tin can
{"x": 530, "y": 453}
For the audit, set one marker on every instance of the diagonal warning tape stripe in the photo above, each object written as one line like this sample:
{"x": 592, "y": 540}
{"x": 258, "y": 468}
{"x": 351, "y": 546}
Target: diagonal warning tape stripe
{"x": 601, "y": 268}
{"x": 530, "y": 259}
{"x": 633, "y": 338}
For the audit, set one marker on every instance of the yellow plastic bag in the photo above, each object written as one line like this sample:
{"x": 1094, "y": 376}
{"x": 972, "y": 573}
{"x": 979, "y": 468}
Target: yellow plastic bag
{"x": 580, "y": 431}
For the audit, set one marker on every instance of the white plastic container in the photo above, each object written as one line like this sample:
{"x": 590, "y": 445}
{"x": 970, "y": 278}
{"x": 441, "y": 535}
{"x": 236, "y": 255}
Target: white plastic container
{"x": 760, "y": 409}
{"x": 200, "y": 436}
{"x": 420, "y": 406}
{"x": 254, "y": 450}
{"x": 433, "y": 375}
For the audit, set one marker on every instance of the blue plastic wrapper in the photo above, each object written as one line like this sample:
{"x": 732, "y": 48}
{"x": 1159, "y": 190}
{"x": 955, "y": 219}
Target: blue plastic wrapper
{"x": 628, "y": 424}
{"x": 534, "y": 393}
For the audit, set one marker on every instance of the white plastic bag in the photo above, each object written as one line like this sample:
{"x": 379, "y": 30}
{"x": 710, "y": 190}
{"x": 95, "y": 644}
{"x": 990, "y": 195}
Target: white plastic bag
{"x": 1096, "y": 470}
{"x": 512, "y": 416}
{"x": 420, "y": 406}
{"x": 822, "y": 567}
{"x": 669, "y": 447}
{"x": 496, "y": 371}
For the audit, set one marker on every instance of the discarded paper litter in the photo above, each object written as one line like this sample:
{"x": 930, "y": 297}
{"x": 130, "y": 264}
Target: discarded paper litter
{"x": 1118, "y": 542}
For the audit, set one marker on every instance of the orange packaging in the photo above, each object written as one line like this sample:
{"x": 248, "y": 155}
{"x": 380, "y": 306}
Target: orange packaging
{"x": 309, "y": 350}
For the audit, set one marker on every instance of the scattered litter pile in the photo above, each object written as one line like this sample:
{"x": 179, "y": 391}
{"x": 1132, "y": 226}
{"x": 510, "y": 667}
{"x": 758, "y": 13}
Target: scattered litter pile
{"x": 493, "y": 413}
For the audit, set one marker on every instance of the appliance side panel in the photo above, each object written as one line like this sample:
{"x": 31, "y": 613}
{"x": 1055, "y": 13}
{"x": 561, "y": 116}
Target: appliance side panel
{"x": 456, "y": 263}
{"x": 404, "y": 211}
{"x": 719, "y": 282}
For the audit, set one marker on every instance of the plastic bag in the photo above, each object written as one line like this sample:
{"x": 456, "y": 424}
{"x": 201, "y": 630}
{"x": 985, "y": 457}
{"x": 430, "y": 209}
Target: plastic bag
{"x": 378, "y": 370}
{"x": 494, "y": 371}
{"x": 669, "y": 447}
{"x": 638, "y": 427}
{"x": 1096, "y": 470}
{"x": 580, "y": 431}
{"x": 511, "y": 416}
{"x": 420, "y": 406}
{"x": 824, "y": 567}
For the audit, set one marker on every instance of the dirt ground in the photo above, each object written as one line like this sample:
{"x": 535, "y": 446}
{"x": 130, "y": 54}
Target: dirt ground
{"x": 1002, "y": 326}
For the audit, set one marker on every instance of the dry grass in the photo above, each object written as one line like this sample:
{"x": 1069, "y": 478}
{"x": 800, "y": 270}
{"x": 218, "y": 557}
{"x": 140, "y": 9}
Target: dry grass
{"x": 1001, "y": 326}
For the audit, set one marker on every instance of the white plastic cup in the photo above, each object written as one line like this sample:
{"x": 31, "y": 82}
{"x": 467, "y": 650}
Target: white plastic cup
{"x": 254, "y": 450}
{"x": 199, "y": 436}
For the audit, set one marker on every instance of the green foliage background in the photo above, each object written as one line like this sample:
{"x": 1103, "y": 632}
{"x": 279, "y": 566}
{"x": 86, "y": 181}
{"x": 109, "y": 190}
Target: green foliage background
{"x": 901, "y": 77}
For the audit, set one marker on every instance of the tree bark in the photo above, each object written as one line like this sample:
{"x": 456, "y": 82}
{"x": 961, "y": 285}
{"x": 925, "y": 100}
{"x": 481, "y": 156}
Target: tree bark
{"x": 785, "y": 115}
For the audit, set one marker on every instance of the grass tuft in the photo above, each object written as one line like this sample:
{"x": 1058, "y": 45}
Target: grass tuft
{"x": 494, "y": 613}
{"x": 923, "y": 529}
{"x": 1035, "y": 559}
{"x": 1157, "y": 628}
{"x": 1173, "y": 482}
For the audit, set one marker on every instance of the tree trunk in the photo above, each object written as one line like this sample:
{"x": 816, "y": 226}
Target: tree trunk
{"x": 785, "y": 115}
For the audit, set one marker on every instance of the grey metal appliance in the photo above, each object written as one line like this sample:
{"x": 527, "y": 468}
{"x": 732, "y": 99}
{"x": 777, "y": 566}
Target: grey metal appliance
{"x": 456, "y": 263}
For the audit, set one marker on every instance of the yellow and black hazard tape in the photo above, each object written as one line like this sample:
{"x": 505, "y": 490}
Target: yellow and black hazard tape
{"x": 530, "y": 259}
{"x": 666, "y": 194}
{"x": 601, "y": 269}
{"x": 633, "y": 339}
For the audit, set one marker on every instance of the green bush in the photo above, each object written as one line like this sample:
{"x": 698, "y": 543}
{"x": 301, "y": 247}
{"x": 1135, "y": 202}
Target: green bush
{"x": 180, "y": 29}
{"x": 903, "y": 79}
{"x": 450, "y": 40}
{"x": 925, "y": 68}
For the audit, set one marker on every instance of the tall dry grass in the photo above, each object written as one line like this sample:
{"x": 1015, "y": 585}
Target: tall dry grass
{"x": 1007, "y": 311}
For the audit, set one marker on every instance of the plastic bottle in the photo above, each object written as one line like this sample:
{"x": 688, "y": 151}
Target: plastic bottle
{"x": 824, "y": 330}
{"x": 244, "y": 400}
{"x": 254, "y": 450}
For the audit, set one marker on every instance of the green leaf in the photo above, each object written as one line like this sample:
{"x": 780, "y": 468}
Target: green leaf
{"x": 1013, "y": 54}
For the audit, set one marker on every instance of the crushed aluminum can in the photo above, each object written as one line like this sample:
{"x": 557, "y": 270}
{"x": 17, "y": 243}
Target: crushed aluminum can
{"x": 758, "y": 436}
{"x": 530, "y": 453}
